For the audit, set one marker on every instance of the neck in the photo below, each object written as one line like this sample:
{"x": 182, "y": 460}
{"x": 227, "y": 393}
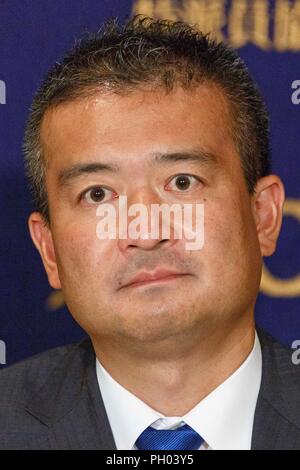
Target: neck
{"x": 201, "y": 364}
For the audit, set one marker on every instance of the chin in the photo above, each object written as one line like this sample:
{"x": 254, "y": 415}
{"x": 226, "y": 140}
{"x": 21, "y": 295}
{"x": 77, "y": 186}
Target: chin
{"x": 157, "y": 323}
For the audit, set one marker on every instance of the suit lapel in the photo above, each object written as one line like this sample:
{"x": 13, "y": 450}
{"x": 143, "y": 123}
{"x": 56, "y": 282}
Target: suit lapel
{"x": 277, "y": 414}
{"x": 70, "y": 404}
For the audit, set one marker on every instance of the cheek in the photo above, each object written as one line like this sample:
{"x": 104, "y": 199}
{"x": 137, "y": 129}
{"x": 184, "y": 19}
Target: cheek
{"x": 230, "y": 239}
{"x": 81, "y": 255}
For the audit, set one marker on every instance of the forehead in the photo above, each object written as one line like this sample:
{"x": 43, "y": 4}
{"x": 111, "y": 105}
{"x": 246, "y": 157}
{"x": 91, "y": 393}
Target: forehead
{"x": 139, "y": 123}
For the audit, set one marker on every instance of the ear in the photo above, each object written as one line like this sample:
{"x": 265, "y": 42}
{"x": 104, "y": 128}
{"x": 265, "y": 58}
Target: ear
{"x": 42, "y": 238}
{"x": 267, "y": 206}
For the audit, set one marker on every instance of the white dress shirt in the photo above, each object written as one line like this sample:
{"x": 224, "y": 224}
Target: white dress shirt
{"x": 224, "y": 418}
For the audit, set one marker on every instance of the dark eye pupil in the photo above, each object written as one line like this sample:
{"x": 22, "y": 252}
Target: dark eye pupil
{"x": 182, "y": 182}
{"x": 97, "y": 194}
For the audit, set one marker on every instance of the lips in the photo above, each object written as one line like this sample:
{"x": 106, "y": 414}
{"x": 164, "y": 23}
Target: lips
{"x": 162, "y": 275}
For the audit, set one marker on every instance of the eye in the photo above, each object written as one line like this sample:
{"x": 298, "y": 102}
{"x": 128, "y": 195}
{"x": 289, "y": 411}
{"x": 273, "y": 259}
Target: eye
{"x": 183, "y": 182}
{"x": 97, "y": 194}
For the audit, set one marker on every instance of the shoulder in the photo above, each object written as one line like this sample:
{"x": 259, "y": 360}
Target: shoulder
{"x": 274, "y": 350}
{"x": 277, "y": 356}
{"x": 20, "y": 381}
{"x": 280, "y": 384}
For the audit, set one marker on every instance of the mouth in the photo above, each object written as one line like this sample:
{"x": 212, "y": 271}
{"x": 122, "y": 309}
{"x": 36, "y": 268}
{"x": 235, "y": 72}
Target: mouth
{"x": 158, "y": 277}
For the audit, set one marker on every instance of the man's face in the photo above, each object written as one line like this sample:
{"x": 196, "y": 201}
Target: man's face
{"x": 217, "y": 284}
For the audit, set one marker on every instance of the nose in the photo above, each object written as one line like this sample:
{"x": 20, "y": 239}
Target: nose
{"x": 143, "y": 227}
{"x": 143, "y": 244}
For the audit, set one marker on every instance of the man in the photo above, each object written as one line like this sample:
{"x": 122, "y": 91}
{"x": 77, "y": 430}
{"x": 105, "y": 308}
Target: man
{"x": 160, "y": 114}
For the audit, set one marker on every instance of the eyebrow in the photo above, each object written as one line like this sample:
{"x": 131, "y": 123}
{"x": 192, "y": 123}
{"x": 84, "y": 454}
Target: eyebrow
{"x": 67, "y": 175}
{"x": 195, "y": 155}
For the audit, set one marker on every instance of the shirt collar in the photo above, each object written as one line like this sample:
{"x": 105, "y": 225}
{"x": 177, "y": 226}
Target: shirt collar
{"x": 224, "y": 418}
{"x": 128, "y": 415}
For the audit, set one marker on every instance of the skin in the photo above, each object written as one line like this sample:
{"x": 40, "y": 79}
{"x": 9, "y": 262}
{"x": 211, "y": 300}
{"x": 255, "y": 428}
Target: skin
{"x": 183, "y": 337}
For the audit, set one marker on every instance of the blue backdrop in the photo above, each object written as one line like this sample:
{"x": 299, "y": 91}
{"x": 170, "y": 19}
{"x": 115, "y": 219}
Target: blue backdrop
{"x": 33, "y": 35}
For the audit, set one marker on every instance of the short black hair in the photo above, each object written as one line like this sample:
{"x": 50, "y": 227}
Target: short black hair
{"x": 120, "y": 58}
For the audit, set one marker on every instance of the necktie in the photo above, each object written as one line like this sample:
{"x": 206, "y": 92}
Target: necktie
{"x": 182, "y": 438}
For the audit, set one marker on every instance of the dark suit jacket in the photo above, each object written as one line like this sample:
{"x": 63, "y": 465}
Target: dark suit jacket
{"x": 52, "y": 401}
